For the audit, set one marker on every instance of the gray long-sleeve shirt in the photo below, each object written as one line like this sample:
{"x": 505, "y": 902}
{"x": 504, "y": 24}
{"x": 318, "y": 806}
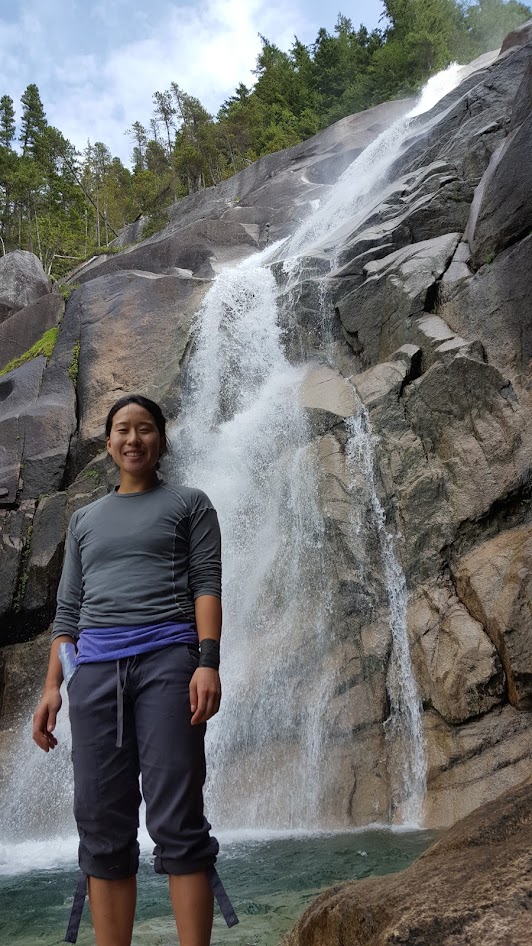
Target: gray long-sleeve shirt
{"x": 138, "y": 558}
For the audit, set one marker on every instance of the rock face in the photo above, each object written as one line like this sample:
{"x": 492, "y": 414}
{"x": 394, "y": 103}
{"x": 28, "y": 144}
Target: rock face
{"x": 135, "y": 328}
{"x": 26, "y": 326}
{"x": 413, "y": 310}
{"x": 471, "y": 886}
{"x": 22, "y": 281}
{"x": 494, "y": 581}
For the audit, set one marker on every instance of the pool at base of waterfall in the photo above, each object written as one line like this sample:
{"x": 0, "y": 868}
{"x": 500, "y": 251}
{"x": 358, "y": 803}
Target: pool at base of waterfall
{"x": 270, "y": 879}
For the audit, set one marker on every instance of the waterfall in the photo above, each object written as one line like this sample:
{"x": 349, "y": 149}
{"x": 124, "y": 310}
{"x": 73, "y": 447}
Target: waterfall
{"x": 363, "y": 183}
{"x": 404, "y": 731}
{"x": 243, "y": 440}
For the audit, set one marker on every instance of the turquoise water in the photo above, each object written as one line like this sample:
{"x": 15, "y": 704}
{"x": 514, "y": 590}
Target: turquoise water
{"x": 269, "y": 879}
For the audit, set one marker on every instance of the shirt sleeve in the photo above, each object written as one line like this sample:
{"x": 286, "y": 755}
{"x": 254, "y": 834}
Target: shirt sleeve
{"x": 70, "y": 590}
{"x": 205, "y": 550}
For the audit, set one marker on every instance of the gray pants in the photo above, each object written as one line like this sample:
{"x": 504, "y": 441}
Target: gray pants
{"x": 159, "y": 743}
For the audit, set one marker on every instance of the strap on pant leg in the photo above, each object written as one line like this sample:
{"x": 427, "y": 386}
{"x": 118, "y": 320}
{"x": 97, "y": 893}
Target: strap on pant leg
{"x": 120, "y": 687}
{"x": 119, "y": 707}
{"x": 224, "y": 902}
{"x": 77, "y": 909}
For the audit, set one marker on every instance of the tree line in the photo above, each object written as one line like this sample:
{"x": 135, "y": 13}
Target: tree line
{"x": 65, "y": 205}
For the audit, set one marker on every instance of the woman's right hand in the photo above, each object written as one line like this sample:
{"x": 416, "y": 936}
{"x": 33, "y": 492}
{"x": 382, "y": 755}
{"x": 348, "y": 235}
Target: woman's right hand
{"x": 44, "y": 718}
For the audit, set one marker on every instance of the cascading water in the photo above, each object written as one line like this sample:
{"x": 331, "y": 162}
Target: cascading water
{"x": 404, "y": 731}
{"x": 244, "y": 439}
{"x": 363, "y": 182}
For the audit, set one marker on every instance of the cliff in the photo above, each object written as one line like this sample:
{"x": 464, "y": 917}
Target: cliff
{"x": 414, "y": 307}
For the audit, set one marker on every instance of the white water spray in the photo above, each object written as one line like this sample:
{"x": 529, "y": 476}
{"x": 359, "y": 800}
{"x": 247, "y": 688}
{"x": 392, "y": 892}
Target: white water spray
{"x": 243, "y": 441}
{"x": 363, "y": 182}
{"x": 404, "y": 730}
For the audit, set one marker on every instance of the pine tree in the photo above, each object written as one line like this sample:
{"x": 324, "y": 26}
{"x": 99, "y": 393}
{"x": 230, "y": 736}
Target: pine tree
{"x": 33, "y": 121}
{"x": 164, "y": 113}
{"x": 7, "y": 121}
{"x": 138, "y": 133}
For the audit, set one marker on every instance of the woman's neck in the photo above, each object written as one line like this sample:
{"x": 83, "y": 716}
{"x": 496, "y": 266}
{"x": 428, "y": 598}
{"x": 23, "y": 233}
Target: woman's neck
{"x": 131, "y": 484}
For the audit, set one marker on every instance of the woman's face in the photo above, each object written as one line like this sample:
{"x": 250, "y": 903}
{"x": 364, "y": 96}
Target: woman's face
{"x": 135, "y": 443}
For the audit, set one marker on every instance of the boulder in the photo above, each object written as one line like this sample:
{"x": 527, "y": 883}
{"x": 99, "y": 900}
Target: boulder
{"x": 24, "y": 669}
{"x": 468, "y": 418}
{"x": 456, "y": 665}
{"x": 518, "y": 37}
{"x": 18, "y": 392}
{"x": 384, "y": 382}
{"x": 49, "y": 425}
{"x": 522, "y": 105}
{"x": 501, "y": 213}
{"x": 26, "y": 326}
{"x": 395, "y": 290}
{"x": 22, "y": 281}
{"x": 135, "y": 328}
{"x": 328, "y": 398}
{"x": 473, "y": 762}
{"x": 15, "y": 535}
{"x": 42, "y": 568}
{"x": 471, "y": 886}
{"x": 494, "y": 582}
{"x": 38, "y": 415}
{"x": 131, "y": 233}
{"x": 190, "y": 249}
{"x": 494, "y": 307}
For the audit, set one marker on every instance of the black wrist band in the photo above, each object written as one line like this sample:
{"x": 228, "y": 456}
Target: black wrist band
{"x": 209, "y": 654}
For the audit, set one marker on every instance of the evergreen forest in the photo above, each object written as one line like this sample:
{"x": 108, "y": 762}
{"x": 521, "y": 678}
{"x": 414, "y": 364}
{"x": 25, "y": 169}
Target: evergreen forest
{"x": 65, "y": 206}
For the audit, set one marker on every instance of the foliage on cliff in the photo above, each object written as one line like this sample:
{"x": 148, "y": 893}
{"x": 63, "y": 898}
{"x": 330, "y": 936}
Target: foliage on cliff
{"x": 63, "y": 205}
{"x": 44, "y": 346}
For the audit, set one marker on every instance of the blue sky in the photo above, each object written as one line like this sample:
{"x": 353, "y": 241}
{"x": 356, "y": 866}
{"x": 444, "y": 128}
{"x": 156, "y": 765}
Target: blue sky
{"x": 98, "y": 63}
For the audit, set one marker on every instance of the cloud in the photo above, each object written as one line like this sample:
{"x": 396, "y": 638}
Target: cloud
{"x": 103, "y": 84}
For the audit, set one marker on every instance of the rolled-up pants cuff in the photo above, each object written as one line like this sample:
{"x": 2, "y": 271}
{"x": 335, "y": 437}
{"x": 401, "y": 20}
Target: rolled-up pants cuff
{"x": 109, "y": 866}
{"x": 165, "y": 865}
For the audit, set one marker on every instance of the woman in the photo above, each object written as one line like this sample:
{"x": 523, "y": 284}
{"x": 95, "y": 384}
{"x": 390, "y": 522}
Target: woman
{"x": 140, "y": 590}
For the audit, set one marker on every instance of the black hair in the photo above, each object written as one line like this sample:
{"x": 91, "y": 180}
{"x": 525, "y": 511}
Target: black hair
{"x": 147, "y": 404}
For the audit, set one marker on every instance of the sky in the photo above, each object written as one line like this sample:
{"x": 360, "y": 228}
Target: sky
{"x": 97, "y": 64}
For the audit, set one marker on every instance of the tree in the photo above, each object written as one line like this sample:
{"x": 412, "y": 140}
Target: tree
{"x": 140, "y": 138}
{"x": 7, "y": 121}
{"x": 489, "y": 21}
{"x": 33, "y": 120}
{"x": 164, "y": 113}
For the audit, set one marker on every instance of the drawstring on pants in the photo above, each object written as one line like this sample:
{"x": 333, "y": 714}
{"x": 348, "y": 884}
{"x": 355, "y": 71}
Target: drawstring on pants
{"x": 120, "y": 687}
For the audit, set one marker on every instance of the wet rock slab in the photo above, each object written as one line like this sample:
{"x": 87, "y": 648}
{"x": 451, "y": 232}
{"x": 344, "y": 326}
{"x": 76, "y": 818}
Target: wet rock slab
{"x": 471, "y": 887}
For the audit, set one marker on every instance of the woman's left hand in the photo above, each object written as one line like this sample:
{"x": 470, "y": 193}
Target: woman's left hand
{"x": 205, "y": 694}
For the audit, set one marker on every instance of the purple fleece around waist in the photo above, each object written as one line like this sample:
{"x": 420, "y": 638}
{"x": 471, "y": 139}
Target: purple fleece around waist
{"x": 112, "y": 643}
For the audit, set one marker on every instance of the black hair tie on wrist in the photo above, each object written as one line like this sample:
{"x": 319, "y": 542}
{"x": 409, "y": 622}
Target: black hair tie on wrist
{"x": 209, "y": 654}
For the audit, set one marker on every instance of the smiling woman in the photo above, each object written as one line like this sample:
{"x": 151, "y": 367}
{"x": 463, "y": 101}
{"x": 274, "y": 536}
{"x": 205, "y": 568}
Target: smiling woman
{"x": 135, "y": 432}
{"x": 140, "y": 598}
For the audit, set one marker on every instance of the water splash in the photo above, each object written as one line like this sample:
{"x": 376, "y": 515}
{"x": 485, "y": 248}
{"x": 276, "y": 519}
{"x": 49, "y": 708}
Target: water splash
{"x": 363, "y": 182}
{"x": 404, "y": 730}
{"x": 243, "y": 441}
